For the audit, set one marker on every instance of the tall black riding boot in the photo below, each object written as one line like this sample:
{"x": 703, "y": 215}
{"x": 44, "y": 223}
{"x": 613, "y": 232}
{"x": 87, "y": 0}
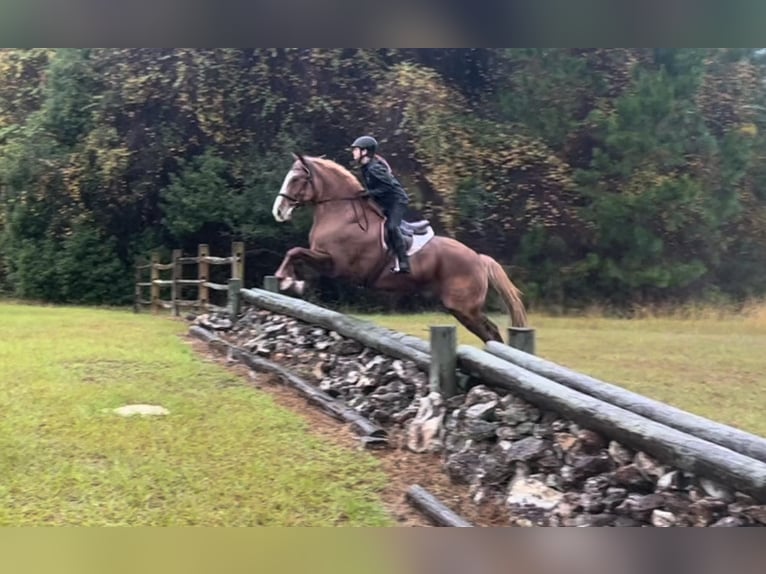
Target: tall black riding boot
{"x": 400, "y": 248}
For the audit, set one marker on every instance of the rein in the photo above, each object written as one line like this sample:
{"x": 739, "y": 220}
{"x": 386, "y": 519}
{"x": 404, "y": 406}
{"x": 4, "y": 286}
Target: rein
{"x": 331, "y": 199}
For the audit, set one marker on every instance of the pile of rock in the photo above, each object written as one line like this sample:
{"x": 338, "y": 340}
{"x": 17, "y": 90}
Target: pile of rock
{"x": 545, "y": 469}
{"x": 378, "y": 387}
{"x": 553, "y": 473}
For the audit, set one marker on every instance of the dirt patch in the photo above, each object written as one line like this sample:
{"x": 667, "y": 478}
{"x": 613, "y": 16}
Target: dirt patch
{"x": 404, "y": 468}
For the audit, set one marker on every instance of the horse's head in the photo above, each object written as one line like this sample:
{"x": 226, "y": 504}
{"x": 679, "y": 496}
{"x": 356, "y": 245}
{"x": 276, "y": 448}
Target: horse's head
{"x": 298, "y": 188}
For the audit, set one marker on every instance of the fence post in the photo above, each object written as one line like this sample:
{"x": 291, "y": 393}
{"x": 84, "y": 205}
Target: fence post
{"x": 271, "y": 283}
{"x": 203, "y": 269}
{"x": 177, "y": 276}
{"x": 442, "y": 376}
{"x": 155, "y": 276}
{"x": 238, "y": 260}
{"x": 137, "y": 291}
{"x": 235, "y": 284}
{"x": 522, "y": 338}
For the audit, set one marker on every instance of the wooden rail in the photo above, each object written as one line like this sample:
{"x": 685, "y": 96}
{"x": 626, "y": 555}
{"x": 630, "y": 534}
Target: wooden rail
{"x": 176, "y": 281}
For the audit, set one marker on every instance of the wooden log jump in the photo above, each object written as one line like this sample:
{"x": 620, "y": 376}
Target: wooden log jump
{"x": 668, "y": 445}
{"x": 684, "y": 450}
{"x": 720, "y": 434}
{"x": 379, "y": 338}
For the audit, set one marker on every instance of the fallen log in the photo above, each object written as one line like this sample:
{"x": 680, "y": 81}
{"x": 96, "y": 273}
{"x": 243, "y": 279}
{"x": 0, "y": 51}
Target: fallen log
{"x": 429, "y": 505}
{"x": 383, "y": 340}
{"x": 372, "y": 434}
{"x": 212, "y": 339}
{"x": 724, "y": 435}
{"x": 315, "y": 396}
{"x": 670, "y": 446}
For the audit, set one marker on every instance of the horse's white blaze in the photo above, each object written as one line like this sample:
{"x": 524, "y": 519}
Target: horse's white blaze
{"x": 282, "y": 208}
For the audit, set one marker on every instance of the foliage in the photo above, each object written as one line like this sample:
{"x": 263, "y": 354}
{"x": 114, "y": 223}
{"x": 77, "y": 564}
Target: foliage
{"x": 620, "y": 175}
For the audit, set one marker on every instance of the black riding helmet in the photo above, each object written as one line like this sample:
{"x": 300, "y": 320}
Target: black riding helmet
{"x": 366, "y": 142}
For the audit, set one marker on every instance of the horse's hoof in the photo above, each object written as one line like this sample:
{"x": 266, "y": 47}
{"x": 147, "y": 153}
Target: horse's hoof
{"x": 299, "y": 287}
{"x": 285, "y": 284}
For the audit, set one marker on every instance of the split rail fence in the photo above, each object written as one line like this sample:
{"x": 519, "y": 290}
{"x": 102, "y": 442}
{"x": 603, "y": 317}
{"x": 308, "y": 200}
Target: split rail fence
{"x": 176, "y": 281}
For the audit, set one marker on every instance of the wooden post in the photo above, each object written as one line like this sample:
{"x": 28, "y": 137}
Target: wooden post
{"x": 522, "y": 338}
{"x": 442, "y": 376}
{"x": 235, "y": 284}
{"x": 203, "y": 268}
{"x": 271, "y": 283}
{"x": 137, "y": 291}
{"x": 155, "y": 277}
{"x": 238, "y": 260}
{"x": 177, "y": 276}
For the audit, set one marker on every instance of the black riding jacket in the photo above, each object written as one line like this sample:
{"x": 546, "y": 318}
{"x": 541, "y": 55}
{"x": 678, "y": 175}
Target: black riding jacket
{"x": 382, "y": 185}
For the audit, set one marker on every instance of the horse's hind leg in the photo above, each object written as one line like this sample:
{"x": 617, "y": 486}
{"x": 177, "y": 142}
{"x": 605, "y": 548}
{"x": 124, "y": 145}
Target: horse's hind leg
{"x": 478, "y": 324}
{"x": 464, "y": 297}
{"x": 491, "y": 329}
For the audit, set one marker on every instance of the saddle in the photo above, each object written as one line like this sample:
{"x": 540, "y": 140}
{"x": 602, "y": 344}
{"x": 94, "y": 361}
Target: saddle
{"x": 410, "y": 228}
{"x": 416, "y": 235}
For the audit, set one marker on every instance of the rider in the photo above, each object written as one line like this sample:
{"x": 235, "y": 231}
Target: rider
{"x": 386, "y": 190}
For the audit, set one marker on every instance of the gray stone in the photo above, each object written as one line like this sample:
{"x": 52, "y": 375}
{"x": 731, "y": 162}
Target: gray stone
{"x": 481, "y": 411}
{"x": 479, "y": 430}
{"x": 620, "y": 454}
{"x": 589, "y": 465}
{"x": 728, "y": 522}
{"x": 648, "y": 466}
{"x": 525, "y": 492}
{"x": 461, "y": 466}
{"x": 590, "y": 442}
{"x": 480, "y": 394}
{"x": 631, "y": 477}
{"x": 527, "y": 449}
{"x": 141, "y": 410}
{"x": 592, "y": 503}
{"x": 595, "y": 520}
{"x": 672, "y": 480}
{"x": 716, "y": 490}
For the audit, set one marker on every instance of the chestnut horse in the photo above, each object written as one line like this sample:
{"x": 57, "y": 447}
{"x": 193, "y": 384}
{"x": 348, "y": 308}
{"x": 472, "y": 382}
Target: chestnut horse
{"x": 347, "y": 241}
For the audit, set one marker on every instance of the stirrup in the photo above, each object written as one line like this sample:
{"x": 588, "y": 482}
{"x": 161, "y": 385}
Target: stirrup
{"x": 397, "y": 269}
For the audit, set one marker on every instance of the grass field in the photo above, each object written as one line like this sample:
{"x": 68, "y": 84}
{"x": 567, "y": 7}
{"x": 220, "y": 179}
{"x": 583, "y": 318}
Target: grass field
{"x": 709, "y": 363}
{"x": 228, "y": 455}
{"x": 225, "y": 455}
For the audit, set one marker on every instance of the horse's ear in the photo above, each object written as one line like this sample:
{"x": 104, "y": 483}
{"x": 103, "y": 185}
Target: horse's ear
{"x": 305, "y": 162}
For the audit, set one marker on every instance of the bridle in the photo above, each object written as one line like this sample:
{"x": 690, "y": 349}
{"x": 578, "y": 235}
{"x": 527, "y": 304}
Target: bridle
{"x": 310, "y": 177}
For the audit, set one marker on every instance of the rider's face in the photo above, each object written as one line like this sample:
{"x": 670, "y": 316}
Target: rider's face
{"x": 357, "y": 153}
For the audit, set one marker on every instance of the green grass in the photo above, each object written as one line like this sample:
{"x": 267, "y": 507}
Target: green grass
{"x": 226, "y": 454}
{"x": 707, "y": 363}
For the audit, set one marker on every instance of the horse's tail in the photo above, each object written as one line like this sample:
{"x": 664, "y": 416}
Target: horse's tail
{"x": 509, "y": 293}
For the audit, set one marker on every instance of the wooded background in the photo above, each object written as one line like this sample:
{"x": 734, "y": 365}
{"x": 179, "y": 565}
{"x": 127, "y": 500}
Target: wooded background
{"x": 609, "y": 176}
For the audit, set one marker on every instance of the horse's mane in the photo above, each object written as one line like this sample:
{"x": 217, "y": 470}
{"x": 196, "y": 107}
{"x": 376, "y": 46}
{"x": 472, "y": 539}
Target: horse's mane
{"x": 344, "y": 175}
{"x": 338, "y": 169}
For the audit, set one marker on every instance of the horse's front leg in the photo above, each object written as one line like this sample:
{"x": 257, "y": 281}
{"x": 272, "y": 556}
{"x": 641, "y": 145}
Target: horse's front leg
{"x": 322, "y": 262}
